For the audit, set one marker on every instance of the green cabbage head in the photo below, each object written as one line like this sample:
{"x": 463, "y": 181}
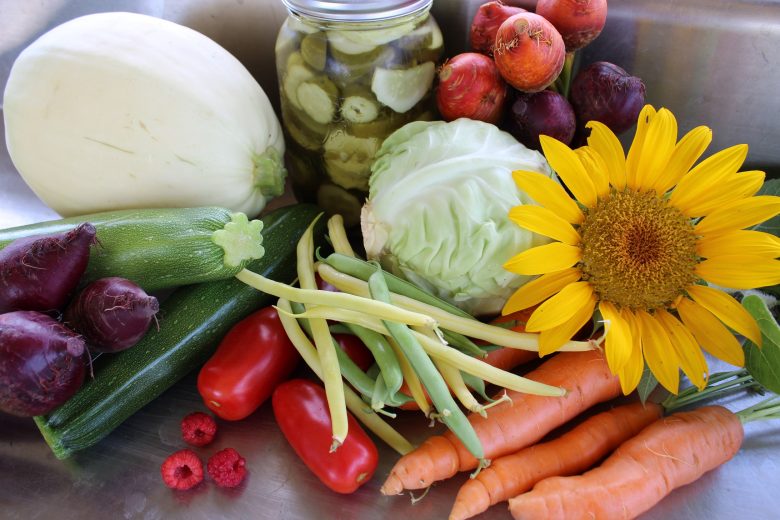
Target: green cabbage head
{"x": 437, "y": 210}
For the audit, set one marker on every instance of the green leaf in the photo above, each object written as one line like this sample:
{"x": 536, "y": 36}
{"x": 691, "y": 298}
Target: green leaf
{"x": 647, "y": 383}
{"x": 763, "y": 362}
{"x": 770, "y": 187}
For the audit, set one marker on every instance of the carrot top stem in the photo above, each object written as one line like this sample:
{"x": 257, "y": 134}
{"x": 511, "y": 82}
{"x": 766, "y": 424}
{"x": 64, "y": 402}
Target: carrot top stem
{"x": 719, "y": 384}
{"x": 765, "y": 409}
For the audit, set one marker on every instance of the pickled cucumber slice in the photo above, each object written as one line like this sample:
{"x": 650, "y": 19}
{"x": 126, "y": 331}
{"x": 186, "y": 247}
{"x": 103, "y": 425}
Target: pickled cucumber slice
{"x": 425, "y": 43}
{"x": 319, "y": 98}
{"x": 302, "y": 129}
{"x": 296, "y": 72}
{"x": 358, "y": 42}
{"x": 335, "y": 200}
{"x": 296, "y": 24}
{"x": 401, "y": 89}
{"x": 359, "y": 105}
{"x": 314, "y": 50}
{"x": 348, "y": 159}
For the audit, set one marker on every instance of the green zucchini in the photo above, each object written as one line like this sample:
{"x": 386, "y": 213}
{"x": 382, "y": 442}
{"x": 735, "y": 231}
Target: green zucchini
{"x": 162, "y": 248}
{"x": 192, "y": 322}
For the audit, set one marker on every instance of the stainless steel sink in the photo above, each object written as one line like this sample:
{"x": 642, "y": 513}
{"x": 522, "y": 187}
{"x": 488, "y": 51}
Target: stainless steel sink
{"x": 712, "y": 62}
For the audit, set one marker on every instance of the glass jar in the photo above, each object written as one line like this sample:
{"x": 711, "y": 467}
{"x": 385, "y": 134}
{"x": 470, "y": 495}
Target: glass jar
{"x": 350, "y": 73}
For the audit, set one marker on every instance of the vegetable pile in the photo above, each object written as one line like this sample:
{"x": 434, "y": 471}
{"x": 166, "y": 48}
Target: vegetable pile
{"x": 519, "y": 74}
{"x": 402, "y": 319}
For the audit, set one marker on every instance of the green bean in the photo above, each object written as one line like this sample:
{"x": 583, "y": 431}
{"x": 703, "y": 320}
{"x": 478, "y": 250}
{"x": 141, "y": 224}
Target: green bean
{"x": 476, "y": 384}
{"x": 363, "y": 270}
{"x": 383, "y": 355}
{"x": 338, "y": 236}
{"x": 336, "y": 299}
{"x": 467, "y": 327}
{"x": 449, "y": 412}
{"x": 454, "y": 380}
{"x": 464, "y": 344}
{"x": 412, "y": 380}
{"x": 364, "y": 414}
{"x": 351, "y": 372}
{"x": 326, "y": 347}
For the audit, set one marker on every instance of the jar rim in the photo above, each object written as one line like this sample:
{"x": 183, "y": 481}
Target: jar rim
{"x": 356, "y": 10}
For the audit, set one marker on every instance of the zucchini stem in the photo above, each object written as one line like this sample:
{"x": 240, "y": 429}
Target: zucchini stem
{"x": 241, "y": 240}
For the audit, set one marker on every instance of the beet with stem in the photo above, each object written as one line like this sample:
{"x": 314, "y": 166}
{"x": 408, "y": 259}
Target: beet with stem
{"x": 111, "y": 313}
{"x": 541, "y": 113}
{"x": 40, "y": 273}
{"x": 604, "y": 92}
{"x": 42, "y": 363}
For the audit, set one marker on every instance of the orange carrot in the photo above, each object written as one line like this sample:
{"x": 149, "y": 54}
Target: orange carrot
{"x": 573, "y": 452}
{"x": 512, "y": 425}
{"x": 670, "y": 453}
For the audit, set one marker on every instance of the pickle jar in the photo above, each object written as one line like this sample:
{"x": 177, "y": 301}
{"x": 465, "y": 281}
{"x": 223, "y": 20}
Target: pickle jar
{"x": 350, "y": 73}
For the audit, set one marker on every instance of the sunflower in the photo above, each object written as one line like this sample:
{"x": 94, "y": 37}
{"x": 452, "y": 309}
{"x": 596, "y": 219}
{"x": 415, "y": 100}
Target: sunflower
{"x": 647, "y": 242}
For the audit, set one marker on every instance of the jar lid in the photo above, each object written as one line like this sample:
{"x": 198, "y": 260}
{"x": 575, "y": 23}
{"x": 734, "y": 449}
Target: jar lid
{"x": 356, "y": 10}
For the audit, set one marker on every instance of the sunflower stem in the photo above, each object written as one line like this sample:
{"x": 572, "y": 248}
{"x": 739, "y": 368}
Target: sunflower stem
{"x": 718, "y": 385}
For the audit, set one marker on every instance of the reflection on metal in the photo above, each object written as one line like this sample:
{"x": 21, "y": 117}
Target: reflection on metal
{"x": 711, "y": 62}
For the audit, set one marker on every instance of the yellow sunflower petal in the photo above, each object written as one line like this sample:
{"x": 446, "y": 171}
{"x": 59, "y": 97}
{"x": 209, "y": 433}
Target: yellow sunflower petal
{"x": 685, "y": 154}
{"x": 634, "y": 153}
{"x": 707, "y": 174}
{"x": 540, "y": 289}
{"x": 607, "y": 145}
{"x": 631, "y": 373}
{"x": 691, "y": 359}
{"x": 661, "y": 357}
{"x": 727, "y": 190}
{"x": 618, "y": 342}
{"x": 551, "y": 340}
{"x": 545, "y": 222}
{"x": 569, "y": 168}
{"x": 597, "y": 169}
{"x": 711, "y": 334}
{"x": 743, "y": 241}
{"x": 657, "y": 149}
{"x": 740, "y": 271}
{"x": 739, "y": 214}
{"x": 727, "y": 309}
{"x": 544, "y": 259}
{"x": 548, "y": 193}
{"x": 560, "y": 308}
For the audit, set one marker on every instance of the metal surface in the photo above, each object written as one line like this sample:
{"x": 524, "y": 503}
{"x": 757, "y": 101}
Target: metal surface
{"x": 702, "y": 59}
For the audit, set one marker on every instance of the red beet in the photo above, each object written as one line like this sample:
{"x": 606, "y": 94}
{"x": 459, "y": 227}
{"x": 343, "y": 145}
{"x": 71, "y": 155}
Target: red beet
{"x": 112, "y": 314}
{"x": 41, "y": 363}
{"x": 578, "y": 21}
{"x": 40, "y": 273}
{"x": 541, "y": 113}
{"x": 470, "y": 86}
{"x": 529, "y": 52}
{"x": 604, "y": 92}
{"x": 486, "y": 21}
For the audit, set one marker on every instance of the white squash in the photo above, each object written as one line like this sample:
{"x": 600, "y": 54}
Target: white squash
{"x": 120, "y": 110}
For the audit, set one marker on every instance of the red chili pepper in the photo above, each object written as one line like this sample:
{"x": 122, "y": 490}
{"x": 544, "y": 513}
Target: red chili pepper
{"x": 301, "y": 411}
{"x": 251, "y": 360}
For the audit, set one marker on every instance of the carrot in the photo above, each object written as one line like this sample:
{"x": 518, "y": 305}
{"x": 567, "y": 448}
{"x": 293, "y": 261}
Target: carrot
{"x": 512, "y": 425}
{"x": 670, "y": 453}
{"x": 571, "y": 453}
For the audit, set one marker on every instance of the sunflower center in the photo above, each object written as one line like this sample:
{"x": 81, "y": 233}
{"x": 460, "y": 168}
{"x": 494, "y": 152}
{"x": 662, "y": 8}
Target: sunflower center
{"x": 637, "y": 251}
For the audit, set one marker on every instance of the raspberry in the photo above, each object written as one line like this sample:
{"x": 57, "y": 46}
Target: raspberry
{"x": 182, "y": 470}
{"x": 227, "y": 468}
{"x": 198, "y": 429}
